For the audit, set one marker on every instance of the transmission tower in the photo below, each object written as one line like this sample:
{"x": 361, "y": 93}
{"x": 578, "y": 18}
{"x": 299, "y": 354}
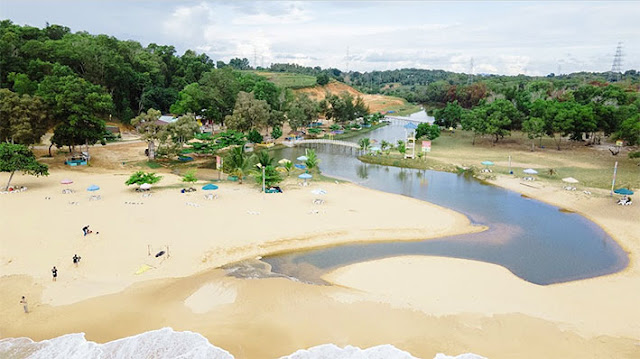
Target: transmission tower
{"x": 470, "y": 77}
{"x": 616, "y": 67}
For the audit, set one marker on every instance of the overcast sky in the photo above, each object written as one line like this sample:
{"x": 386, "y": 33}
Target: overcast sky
{"x": 534, "y": 38}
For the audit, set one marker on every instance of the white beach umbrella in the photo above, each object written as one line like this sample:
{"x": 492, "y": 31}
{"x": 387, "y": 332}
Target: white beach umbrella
{"x": 570, "y": 180}
{"x": 145, "y": 186}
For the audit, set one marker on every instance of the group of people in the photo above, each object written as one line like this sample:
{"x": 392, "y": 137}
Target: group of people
{"x": 54, "y": 271}
{"x": 625, "y": 201}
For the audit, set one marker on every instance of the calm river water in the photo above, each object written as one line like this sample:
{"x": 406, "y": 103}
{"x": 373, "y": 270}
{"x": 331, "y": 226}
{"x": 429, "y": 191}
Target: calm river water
{"x": 534, "y": 240}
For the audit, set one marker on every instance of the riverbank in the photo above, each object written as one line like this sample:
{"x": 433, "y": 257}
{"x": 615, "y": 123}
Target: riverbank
{"x": 421, "y": 306}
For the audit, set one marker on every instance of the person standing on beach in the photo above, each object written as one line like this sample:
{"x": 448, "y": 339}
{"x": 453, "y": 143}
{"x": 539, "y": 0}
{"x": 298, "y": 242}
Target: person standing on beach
{"x": 76, "y": 260}
{"x": 54, "y": 272}
{"x": 23, "y": 301}
{"x": 85, "y": 230}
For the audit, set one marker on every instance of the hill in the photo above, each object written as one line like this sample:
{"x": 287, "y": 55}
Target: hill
{"x": 376, "y": 103}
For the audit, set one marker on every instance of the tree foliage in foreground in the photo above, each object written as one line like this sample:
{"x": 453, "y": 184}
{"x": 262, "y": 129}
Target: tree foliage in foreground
{"x": 141, "y": 177}
{"x": 15, "y": 157}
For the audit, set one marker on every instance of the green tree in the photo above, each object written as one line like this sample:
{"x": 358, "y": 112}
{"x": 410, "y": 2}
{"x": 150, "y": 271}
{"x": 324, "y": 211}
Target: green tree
{"x": 401, "y": 147}
{"x": 365, "y": 144}
{"x": 449, "y": 116}
{"x": 19, "y": 158}
{"x": 237, "y": 163}
{"x": 385, "y": 146}
{"x": 276, "y": 133}
{"x": 430, "y": 132}
{"x": 248, "y": 113}
{"x": 312, "y": 159}
{"x": 23, "y": 119}
{"x": 190, "y": 177}
{"x": 322, "y": 79}
{"x": 630, "y": 130}
{"x": 534, "y": 127}
{"x": 190, "y": 99}
{"x": 141, "y": 177}
{"x": 254, "y": 136}
{"x": 472, "y": 120}
{"x": 497, "y": 116}
{"x": 302, "y": 112}
{"x": 150, "y": 131}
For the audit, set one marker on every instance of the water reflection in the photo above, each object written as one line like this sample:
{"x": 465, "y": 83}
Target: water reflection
{"x": 534, "y": 240}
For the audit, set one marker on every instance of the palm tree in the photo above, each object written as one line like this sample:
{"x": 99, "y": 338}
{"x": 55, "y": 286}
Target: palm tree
{"x": 312, "y": 159}
{"x": 364, "y": 143}
{"x": 402, "y": 148}
{"x": 238, "y": 162}
{"x": 264, "y": 158}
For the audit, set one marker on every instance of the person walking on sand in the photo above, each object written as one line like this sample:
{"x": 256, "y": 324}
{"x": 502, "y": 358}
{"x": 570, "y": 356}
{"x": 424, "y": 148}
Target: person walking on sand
{"x": 54, "y": 272}
{"x": 76, "y": 259}
{"x": 23, "y": 301}
{"x": 85, "y": 230}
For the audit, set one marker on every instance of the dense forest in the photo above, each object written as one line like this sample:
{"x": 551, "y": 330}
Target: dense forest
{"x": 73, "y": 82}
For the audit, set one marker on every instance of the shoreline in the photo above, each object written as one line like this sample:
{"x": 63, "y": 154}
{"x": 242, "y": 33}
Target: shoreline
{"x": 189, "y": 298}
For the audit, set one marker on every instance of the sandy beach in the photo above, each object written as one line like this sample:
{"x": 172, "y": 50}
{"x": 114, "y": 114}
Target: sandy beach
{"x": 424, "y": 305}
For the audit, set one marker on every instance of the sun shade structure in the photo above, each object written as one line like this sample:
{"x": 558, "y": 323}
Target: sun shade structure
{"x": 487, "y": 163}
{"x": 302, "y": 158}
{"x": 209, "y": 187}
{"x": 305, "y": 176}
{"x": 145, "y": 186}
{"x": 299, "y": 166}
{"x": 624, "y": 191}
{"x": 570, "y": 180}
{"x": 93, "y": 188}
{"x": 66, "y": 181}
{"x": 530, "y": 171}
{"x": 411, "y": 126}
{"x": 319, "y": 191}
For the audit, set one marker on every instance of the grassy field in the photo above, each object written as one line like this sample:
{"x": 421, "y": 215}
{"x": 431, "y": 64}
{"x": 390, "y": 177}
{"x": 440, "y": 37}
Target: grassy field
{"x": 405, "y": 109}
{"x": 592, "y": 166}
{"x": 289, "y": 80}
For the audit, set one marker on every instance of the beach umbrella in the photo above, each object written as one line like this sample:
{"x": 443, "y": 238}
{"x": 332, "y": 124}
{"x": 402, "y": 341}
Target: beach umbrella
{"x": 319, "y": 191}
{"x": 624, "y": 191}
{"x": 487, "y": 163}
{"x": 570, "y": 180}
{"x": 145, "y": 186}
{"x": 530, "y": 171}
{"x": 93, "y": 188}
{"x": 375, "y": 149}
{"x": 209, "y": 187}
{"x": 66, "y": 181}
{"x": 410, "y": 126}
{"x": 302, "y": 158}
{"x": 305, "y": 177}
{"x": 283, "y": 161}
{"x": 299, "y": 166}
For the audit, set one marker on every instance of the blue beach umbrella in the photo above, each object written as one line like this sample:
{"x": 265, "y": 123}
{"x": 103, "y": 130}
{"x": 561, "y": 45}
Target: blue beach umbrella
{"x": 305, "y": 177}
{"x": 209, "y": 187}
{"x": 300, "y": 166}
{"x": 487, "y": 163}
{"x": 375, "y": 149}
{"x": 93, "y": 188}
{"x": 624, "y": 191}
